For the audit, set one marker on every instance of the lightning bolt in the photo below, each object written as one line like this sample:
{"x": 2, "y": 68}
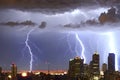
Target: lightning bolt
{"x": 112, "y": 48}
{"x": 29, "y": 48}
{"x": 82, "y": 47}
{"x": 69, "y": 44}
{"x": 79, "y": 46}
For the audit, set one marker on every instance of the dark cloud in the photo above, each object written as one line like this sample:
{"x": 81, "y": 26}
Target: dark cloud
{"x": 42, "y": 25}
{"x": 88, "y": 23}
{"x": 51, "y": 3}
{"x": 72, "y": 26}
{"x": 111, "y": 16}
{"x": 42, "y": 3}
{"x": 12, "y": 24}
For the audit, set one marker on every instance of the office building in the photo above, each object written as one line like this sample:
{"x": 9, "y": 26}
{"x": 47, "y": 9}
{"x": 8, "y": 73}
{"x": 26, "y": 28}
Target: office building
{"x": 75, "y": 67}
{"x": 14, "y": 72}
{"x": 104, "y": 67}
{"x": 111, "y": 62}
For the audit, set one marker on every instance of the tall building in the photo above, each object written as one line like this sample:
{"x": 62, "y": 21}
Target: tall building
{"x": 94, "y": 67}
{"x": 1, "y": 73}
{"x": 86, "y": 73}
{"x": 0, "y": 70}
{"x": 14, "y": 72}
{"x": 75, "y": 67}
{"x": 95, "y": 64}
{"x": 111, "y": 62}
{"x": 110, "y": 74}
{"x": 86, "y": 69}
{"x": 104, "y": 67}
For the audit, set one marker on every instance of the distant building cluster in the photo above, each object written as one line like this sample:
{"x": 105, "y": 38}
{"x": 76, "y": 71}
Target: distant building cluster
{"x": 13, "y": 74}
{"x": 80, "y": 71}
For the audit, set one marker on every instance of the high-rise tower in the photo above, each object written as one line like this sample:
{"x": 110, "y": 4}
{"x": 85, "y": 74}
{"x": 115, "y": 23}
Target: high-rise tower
{"x": 14, "y": 72}
{"x": 95, "y": 64}
{"x": 94, "y": 67}
{"x": 104, "y": 67}
{"x": 75, "y": 67}
{"x": 111, "y": 62}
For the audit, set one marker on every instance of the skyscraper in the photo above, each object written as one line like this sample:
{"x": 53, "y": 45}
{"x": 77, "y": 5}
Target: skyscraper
{"x": 14, "y": 72}
{"x": 75, "y": 67}
{"x": 104, "y": 67}
{"x": 95, "y": 64}
{"x": 0, "y": 70}
{"x": 111, "y": 62}
{"x": 94, "y": 67}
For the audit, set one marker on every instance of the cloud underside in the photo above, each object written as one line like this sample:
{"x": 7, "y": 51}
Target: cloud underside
{"x": 42, "y": 25}
{"x": 51, "y": 4}
{"x": 96, "y": 27}
{"x": 12, "y": 24}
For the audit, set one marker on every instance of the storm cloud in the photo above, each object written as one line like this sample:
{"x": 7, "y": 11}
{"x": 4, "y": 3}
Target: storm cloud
{"x": 42, "y": 3}
{"x": 12, "y": 23}
{"x": 52, "y": 5}
{"x": 78, "y": 19}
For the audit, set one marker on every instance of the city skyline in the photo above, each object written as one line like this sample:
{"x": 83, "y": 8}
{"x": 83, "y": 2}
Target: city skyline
{"x": 94, "y": 60}
{"x": 77, "y": 70}
{"x": 95, "y": 57}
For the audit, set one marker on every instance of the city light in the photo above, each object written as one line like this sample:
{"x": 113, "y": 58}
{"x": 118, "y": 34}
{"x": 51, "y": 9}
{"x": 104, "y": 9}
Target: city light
{"x": 96, "y": 78}
{"x": 24, "y": 74}
{"x": 9, "y": 76}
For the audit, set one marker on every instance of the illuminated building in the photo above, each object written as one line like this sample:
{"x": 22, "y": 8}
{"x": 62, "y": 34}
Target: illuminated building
{"x": 95, "y": 64}
{"x": 14, "y": 72}
{"x": 75, "y": 67}
{"x": 104, "y": 67}
{"x": 94, "y": 67}
{"x": 86, "y": 73}
{"x": 104, "y": 70}
{"x": 111, "y": 62}
{"x": 86, "y": 69}
{"x": 110, "y": 74}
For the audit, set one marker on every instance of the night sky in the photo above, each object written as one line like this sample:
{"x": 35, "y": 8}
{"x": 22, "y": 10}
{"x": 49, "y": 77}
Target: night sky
{"x": 54, "y": 44}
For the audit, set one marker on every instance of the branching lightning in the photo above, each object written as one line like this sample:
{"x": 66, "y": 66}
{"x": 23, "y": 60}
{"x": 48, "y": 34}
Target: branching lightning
{"x": 79, "y": 46}
{"x": 29, "y": 48}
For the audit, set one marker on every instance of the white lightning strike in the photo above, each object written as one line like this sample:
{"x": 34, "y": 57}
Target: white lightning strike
{"x": 69, "y": 45}
{"x": 112, "y": 48}
{"x": 29, "y": 48}
{"x": 77, "y": 48}
{"x": 82, "y": 47}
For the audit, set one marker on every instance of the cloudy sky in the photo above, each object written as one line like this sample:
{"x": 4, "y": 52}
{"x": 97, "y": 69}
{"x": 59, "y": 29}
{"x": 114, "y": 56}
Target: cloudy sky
{"x": 50, "y": 40}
